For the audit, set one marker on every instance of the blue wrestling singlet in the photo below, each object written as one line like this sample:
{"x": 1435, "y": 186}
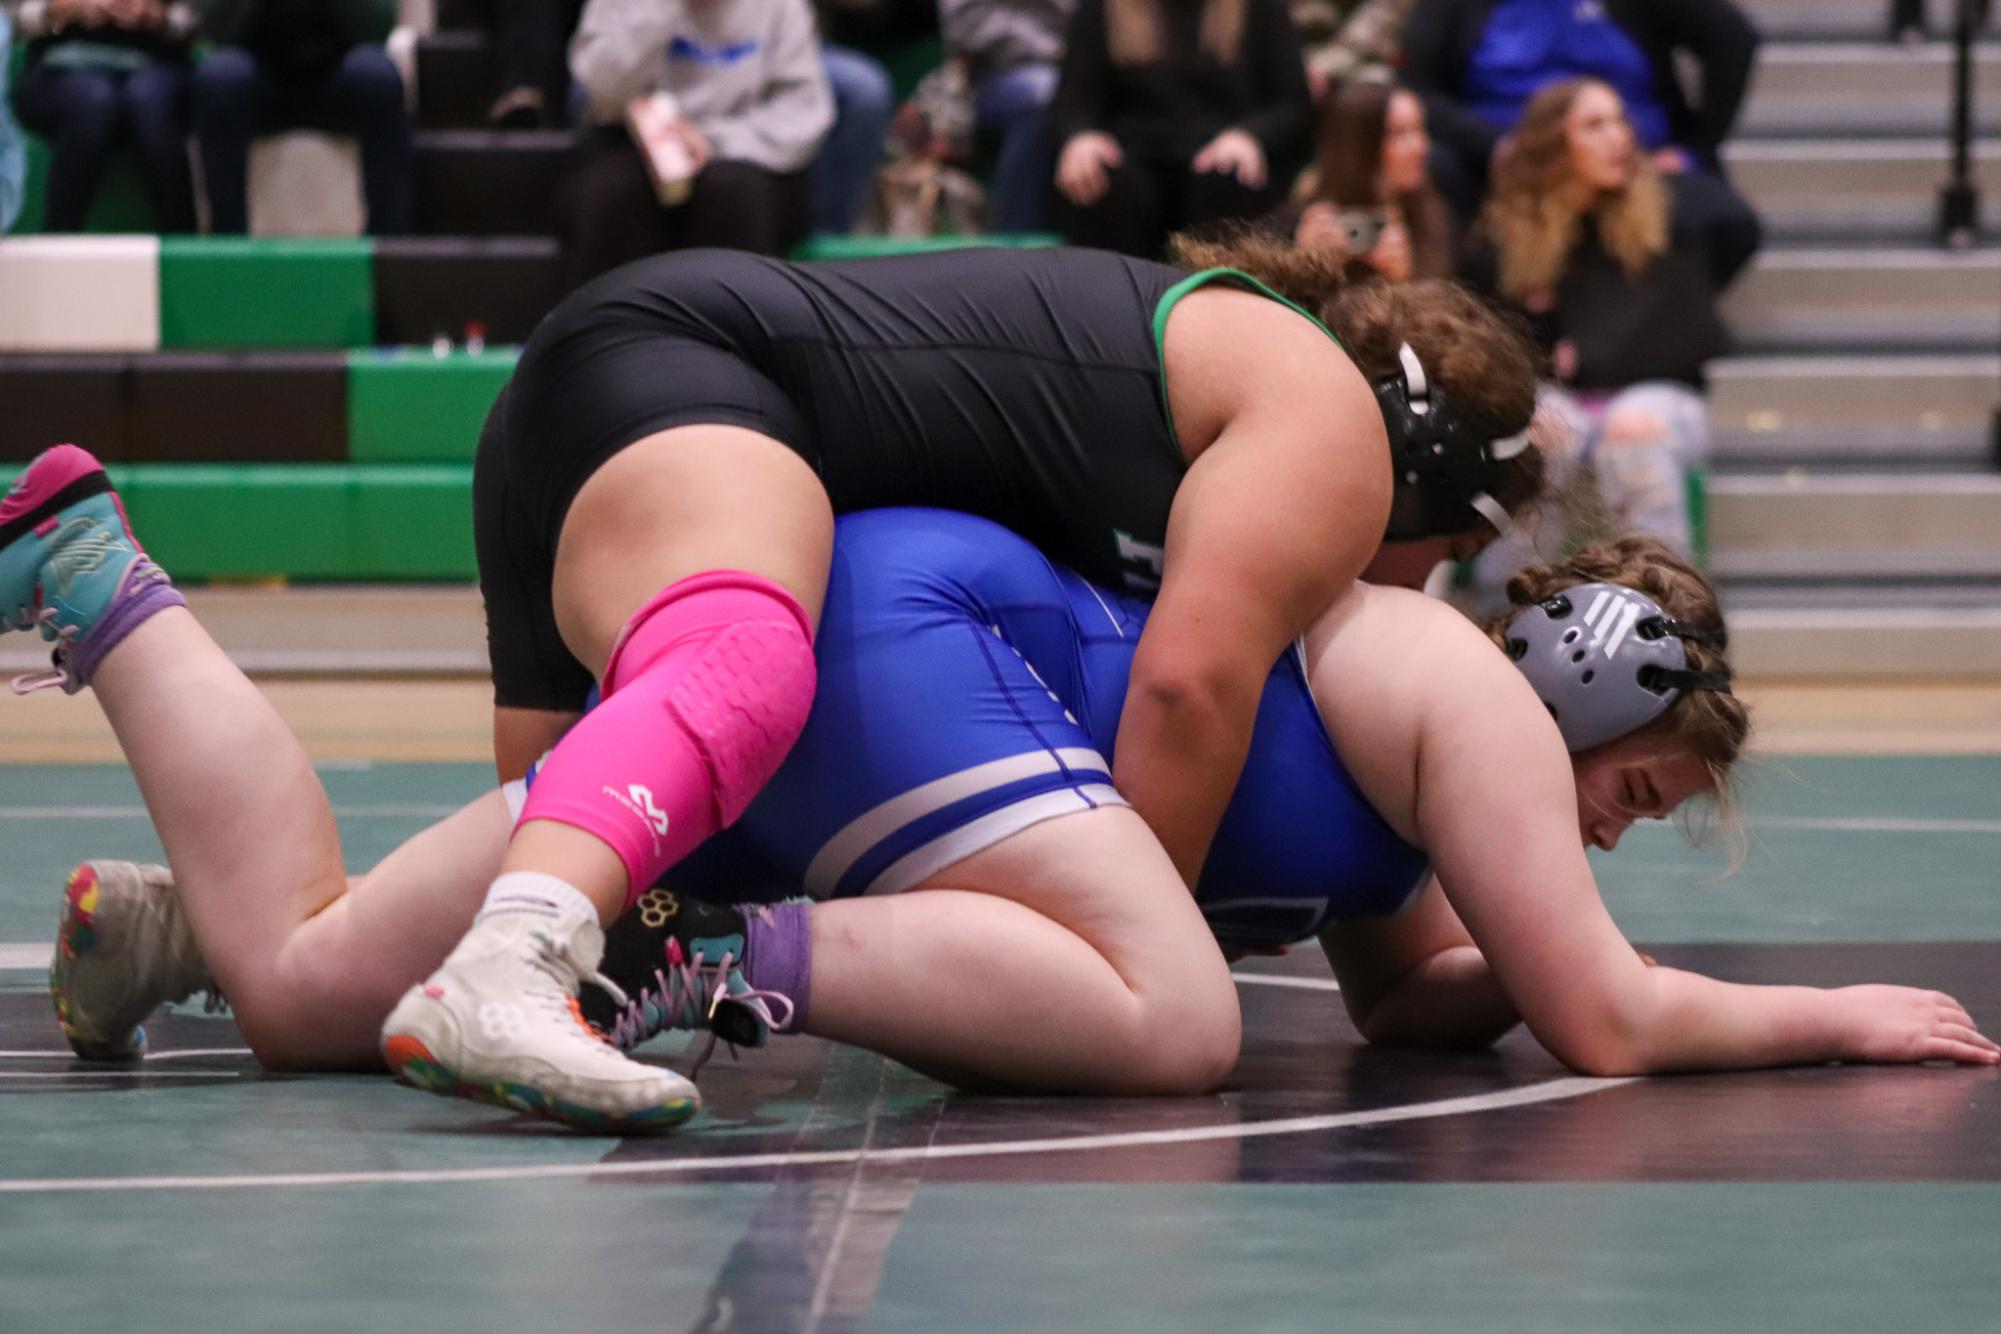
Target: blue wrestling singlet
{"x": 969, "y": 688}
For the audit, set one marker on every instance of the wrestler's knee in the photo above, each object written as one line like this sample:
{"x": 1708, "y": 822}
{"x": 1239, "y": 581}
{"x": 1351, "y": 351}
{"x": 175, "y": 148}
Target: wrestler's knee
{"x": 1192, "y": 1045}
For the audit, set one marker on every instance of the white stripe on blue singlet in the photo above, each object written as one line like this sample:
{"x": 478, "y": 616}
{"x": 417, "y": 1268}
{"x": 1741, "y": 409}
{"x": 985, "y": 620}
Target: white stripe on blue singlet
{"x": 914, "y": 868}
{"x": 859, "y": 835}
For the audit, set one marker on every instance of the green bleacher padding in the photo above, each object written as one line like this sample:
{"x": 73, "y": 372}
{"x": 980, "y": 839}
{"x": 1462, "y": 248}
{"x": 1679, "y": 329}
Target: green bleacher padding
{"x": 407, "y": 405}
{"x": 238, "y": 292}
{"x": 1698, "y": 515}
{"x": 303, "y": 521}
{"x": 909, "y": 62}
{"x": 870, "y": 247}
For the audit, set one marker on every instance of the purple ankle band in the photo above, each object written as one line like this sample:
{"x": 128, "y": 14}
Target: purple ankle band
{"x": 146, "y": 590}
{"x": 778, "y": 954}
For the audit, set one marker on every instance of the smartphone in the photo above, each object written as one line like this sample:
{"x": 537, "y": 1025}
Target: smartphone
{"x": 1361, "y": 230}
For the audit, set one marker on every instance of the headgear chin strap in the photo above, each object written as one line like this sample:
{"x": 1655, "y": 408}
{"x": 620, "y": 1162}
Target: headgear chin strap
{"x": 1446, "y": 468}
{"x": 1606, "y": 660}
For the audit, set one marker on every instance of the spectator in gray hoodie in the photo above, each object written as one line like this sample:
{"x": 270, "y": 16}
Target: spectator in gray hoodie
{"x": 751, "y": 102}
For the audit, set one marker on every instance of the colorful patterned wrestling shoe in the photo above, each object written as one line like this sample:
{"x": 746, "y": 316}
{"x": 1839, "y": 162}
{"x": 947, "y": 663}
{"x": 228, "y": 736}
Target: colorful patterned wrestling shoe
{"x": 681, "y": 962}
{"x": 499, "y": 1022}
{"x": 70, "y": 567}
{"x": 123, "y": 949}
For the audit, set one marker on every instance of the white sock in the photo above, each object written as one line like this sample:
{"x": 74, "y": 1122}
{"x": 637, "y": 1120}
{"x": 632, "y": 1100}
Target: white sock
{"x": 533, "y": 892}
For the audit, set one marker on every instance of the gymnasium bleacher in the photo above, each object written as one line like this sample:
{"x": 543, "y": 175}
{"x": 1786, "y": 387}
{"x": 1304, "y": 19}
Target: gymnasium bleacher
{"x": 307, "y": 408}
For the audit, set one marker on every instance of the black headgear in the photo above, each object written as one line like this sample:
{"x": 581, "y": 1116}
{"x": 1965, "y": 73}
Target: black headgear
{"x": 1447, "y": 469}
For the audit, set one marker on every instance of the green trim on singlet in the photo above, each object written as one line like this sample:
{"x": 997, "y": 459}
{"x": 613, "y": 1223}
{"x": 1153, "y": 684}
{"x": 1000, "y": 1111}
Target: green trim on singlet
{"x": 1194, "y": 281}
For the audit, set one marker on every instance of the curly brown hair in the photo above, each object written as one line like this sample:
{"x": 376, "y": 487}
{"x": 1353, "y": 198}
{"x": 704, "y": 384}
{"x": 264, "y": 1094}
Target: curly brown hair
{"x": 1533, "y": 217}
{"x": 1480, "y": 359}
{"x": 1712, "y": 725}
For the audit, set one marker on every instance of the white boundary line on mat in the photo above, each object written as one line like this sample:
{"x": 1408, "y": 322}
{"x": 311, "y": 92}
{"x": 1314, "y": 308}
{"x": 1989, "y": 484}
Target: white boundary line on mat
{"x": 23, "y": 957}
{"x": 1280, "y": 980}
{"x": 1554, "y": 1090}
{"x": 1871, "y": 824}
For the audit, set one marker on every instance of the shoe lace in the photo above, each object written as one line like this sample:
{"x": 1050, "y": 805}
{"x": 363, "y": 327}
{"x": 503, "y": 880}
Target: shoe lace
{"x": 187, "y": 974}
{"x": 142, "y": 573}
{"x": 43, "y": 619}
{"x": 686, "y": 994}
{"x": 560, "y": 959}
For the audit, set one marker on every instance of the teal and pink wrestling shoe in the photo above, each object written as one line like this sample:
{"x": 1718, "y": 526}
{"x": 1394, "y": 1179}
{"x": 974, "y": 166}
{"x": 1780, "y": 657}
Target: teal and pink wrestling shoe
{"x": 679, "y": 961}
{"x": 70, "y": 567}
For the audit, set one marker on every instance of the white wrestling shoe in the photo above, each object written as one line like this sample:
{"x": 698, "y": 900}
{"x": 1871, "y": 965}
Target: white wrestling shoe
{"x": 499, "y": 1022}
{"x": 123, "y": 950}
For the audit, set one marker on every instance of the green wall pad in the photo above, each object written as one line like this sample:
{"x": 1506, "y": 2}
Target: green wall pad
{"x": 233, "y": 292}
{"x": 303, "y": 521}
{"x": 408, "y": 405}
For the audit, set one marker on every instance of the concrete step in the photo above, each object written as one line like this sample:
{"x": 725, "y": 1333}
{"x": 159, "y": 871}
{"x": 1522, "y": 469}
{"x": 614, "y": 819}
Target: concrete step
{"x": 1850, "y": 640}
{"x": 1851, "y": 189}
{"x": 1868, "y": 299}
{"x": 1823, "y": 526}
{"x": 1825, "y": 19}
{"x": 1931, "y": 410}
{"x": 1864, "y": 89}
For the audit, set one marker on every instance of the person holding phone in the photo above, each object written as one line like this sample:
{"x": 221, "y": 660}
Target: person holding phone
{"x": 1368, "y": 195}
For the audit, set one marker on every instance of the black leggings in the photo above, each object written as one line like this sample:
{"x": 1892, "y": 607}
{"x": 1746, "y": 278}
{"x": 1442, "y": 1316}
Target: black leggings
{"x": 1146, "y": 201}
{"x": 611, "y": 215}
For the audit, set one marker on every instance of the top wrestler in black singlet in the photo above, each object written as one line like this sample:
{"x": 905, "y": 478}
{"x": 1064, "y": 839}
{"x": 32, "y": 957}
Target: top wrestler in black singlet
{"x": 1023, "y": 386}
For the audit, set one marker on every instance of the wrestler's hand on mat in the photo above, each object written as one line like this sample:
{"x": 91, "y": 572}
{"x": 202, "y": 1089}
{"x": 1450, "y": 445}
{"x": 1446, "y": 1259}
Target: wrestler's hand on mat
{"x": 1082, "y": 173}
{"x": 1897, "y": 1024}
{"x": 1235, "y": 152}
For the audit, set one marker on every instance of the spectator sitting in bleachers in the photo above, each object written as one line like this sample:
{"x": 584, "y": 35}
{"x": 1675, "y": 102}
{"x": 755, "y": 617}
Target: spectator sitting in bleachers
{"x": 1346, "y": 38}
{"x": 1368, "y": 193}
{"x": 1173, "y": 115}
{"x": 13, "y": 154}
{"x": 100, "y": 72}
{"x": 529, "y": 39}
{"x": 1585, "y": 237}
{"x": 721, "y": 161}
{"x": 1011, "y": 49}
{"x": 843, "y": 173}
{"x": 1477, "y": 63}
{"x": 317, "y": 64}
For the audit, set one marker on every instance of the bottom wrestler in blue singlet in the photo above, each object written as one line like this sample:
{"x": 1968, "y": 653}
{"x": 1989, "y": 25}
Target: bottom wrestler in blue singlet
{"x": 969, "y": 688}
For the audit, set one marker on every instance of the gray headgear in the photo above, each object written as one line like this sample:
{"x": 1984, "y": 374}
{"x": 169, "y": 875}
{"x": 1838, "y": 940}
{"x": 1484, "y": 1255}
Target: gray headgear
{"x": 1606, "y": 660}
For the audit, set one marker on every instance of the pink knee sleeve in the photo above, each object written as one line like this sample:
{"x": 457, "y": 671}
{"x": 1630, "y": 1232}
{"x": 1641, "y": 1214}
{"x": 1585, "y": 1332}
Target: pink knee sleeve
{"x": 707, "y": 689}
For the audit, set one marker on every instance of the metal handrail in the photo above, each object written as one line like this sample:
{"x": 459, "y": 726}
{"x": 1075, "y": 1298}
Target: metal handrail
{"x": 1959, "y": 199}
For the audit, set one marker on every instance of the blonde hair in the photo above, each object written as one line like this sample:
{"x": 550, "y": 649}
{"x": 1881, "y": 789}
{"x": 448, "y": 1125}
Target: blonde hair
{"x": 1534, "y": 217}
{"x": 1711, "y": 725}
{"x": 1134, "y": 30}
{"x": 1481, "y": 360}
